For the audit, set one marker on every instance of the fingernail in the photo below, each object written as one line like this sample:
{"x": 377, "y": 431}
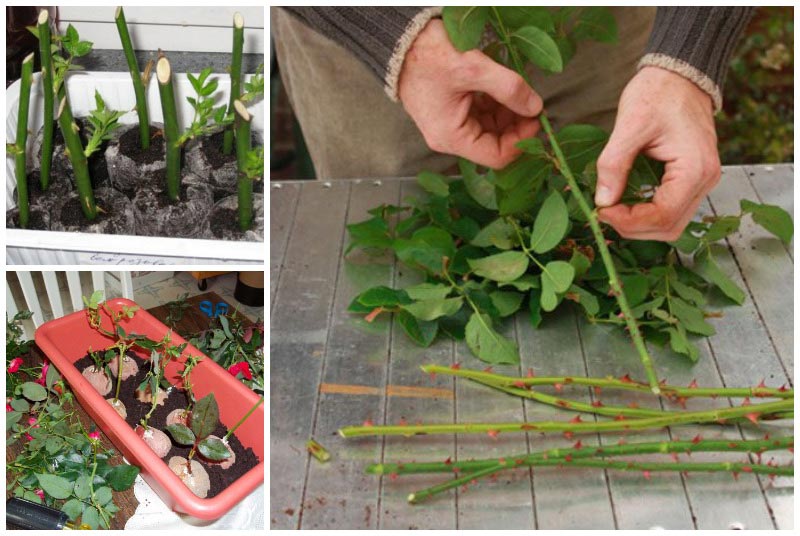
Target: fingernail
{"x": 603, "y": 197}
{"x": 534, "y": 104}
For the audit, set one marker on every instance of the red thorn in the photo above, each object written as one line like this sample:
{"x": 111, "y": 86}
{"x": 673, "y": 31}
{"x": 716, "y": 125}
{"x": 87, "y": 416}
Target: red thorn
{"x": 682, "y": 401}
{"x": 766, "y": 436}
{"x": 568, "y": 435}
{"x": 464, "y": 488}
{"x": 567, "y": 188}
{"x": 736, "y": 475}
{"x": 578, "y": 445}
{"x": 433, "y": 376}
{"x": 782, "y": 388}
{"x": 568, "y": 380}
{"x": 473, "y": 481}
{"x": 619, "y": 418}
{"x": 568, "y": 457}
{"x": 519, "y": 462}
{"x": 528, "y": 427}
{"x": 493, "y": 433}
{"x": 746, "y": 401}
{"x": 373, "y": 314}
{"x": 368, "y": 422}
{"x": 609, "y": 241}
{"x": 529, "y": 374}
{"x": 597, "y": 390}
{"x": 597, "y": 404}
{"x": 758, "y": 455}
{"x": 562, "y": 403}
{"x": 752, "y": 417}
{"x": 693, "y": 384}
{"x": 733, "y": 445}
{"x": 675, "y": 456}
{"x": 455, "y": 366}
{"x": 714, "y": 396}
{"x": 662, "y": 382}
{"x": 626, "y": 379}
{"x": 519, "y": 383}
{"x": 761, "y": 384}
{"x": 488, "y": 369}
{"x": 696, "y": 439}
{"x": 621, "y": 442}
{"x": 747, "y": 469}
{"x": 685, "y": 474}
{"x": 392, "y": 476}
{"x": 646, "y": 475}
{"x": 791, "y": 449}
{"x": 402, "y": 422}
{"x": 576, "y": 419}
{"x": 448, "y": 461}
{"x": 633, "y": 405}
{"x": 456, "y": 469}
{"x": 620, "y": 315}
{"x": 501, "y": 461}
{"x": 558, "y": 387}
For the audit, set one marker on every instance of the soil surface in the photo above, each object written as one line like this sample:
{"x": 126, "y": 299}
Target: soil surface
{"x": 38, "y": 219}
{"x": 212, "y": 148}
{"x": 129, "y": 146}
{"x": 220, "y": 478}
{"x": 225, "y": 223}
{"x": 72, "y": 215}
{"x": 98, "y": 169}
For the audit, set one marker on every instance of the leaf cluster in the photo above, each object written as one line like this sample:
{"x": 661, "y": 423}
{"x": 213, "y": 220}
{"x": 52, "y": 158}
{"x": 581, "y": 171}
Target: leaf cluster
{"x": 64, "y": 48}
{"x": 254, "y": 88}
{"x": 205, "y": 417}
{"x": 254, "y": 164}
{"x": 206, "y": 118}
{"x": 102, "y": 122}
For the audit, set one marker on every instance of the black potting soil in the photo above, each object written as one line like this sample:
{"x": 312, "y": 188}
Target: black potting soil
{"x": 98, "y": 169}
{"x": 212, "y": 148}
{"x": 220, "y": 478}
{"x": 225, "y": 222}
{"x": 37, "y": 220}
{"x": 72, "y": 215}
{"x": 130, "y": 147}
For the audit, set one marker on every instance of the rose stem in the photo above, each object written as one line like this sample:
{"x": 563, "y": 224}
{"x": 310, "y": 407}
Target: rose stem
{"x": 245, "y": 186}
{"x": 21, "y": 141}
{"x": 236, "y": 77}
{"x": 646, "y": 467}
{"x": 246, "y": 415}
{"x": 594, "y": 224}
{"x": 753, "y": 412}
{"x": 610, "y": 383}
{"x": 74, "y": 150}
{"x": 173, "y": 150}
{"x": 318, "y": 451}
{"x": 657, "y": 447}
{"x": 136, "y": 78}
{"x": 47, "y": 91}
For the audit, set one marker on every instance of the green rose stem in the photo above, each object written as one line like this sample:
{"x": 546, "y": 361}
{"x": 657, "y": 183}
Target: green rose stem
{"x": 757, "y": 446}
{"x": 74, "y": 151}
{"x": 136, "y": 78}
{"x": 173, "y": 150}
{"x": 47, "y": 90}
{"x": 594, "y": 222}
{"x": 245, "y": 186}
{"x": 646, "y": 467}
{"x": 236, "y": 78}
{"x": 21, "y": 141}
{"x": 610, "y": 383}
{"x": 238, "y": 424}
{"x": 753, "y": 412}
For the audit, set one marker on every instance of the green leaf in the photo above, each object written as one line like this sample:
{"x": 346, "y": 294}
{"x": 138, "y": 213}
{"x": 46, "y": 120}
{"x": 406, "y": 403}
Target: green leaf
{"x": 691, "y": 317}
{"x": 121, "y": 477}
{"x": 421, "y": 332}
{"x": 31, "y": 496}
{"x": 507, "y": 302}
{"x": 645, "y": 307}
{"x": 538, "y": 47}
{"x": 432, "y": 309}
{"x": 636, "y": 288}
{"x": 426, "y": 248}
{"x": 73, "y": 508}
{"x": 721, "y": 228}
{"x": 706, "y": 267}
{"x": 181, "y": 434}
{"x": 551, "y": 224}
{"x": 465, "y": 25}
{"x": 499, "y": 234}
{"x": 557, "y": 277}
{"x": 103, "y": 495}
{"x": 223, "y": 321}
{"x": 91, "y": 517}
{"x": 581, "y": 144}
{"x": 771, "y": 217}
{"x": 503, "y": 267}
{"x": 596, "y": 23}
{"x": 55, "y": 486}
{"x": 478, "y": 187}
{"x": 580, "y": 262}
{"x": 383, "y": 296}
{"x": 82, "y": 48}
{"x": 488, "y": 345}
{"x": 514, "y": 17}
{"x": 535, "y": 307}
{"x": 686, "y": 292}
{"x": 687, "y": 242}
{"x": 428, "y": 291}
{"x": 34, "y": 392}
{"x": 213, "y": 449}
{"x": 586, "y": 299}
{"x": 205, "y": 416}
{"x": 20, "y": 404}
{"x": 523, "y": 283}
{"x": 532, "y": 146}
{"x": 680, "y": 343}
{"x": 521, "y": 197}
{"x": 83, "y": 486}
{"x": 372, "y": 233}
{"x": 434, "y": 183}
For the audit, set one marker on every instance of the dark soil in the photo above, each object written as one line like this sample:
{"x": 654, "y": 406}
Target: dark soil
{"x": 72, "y": 215}
{"x": 220, "y": 478}
{"x": 129, "y": 146}
{"x": 98, "y": 169}
{"x": 212, "y": 148}
{"x": 36, "y": 220}
{"x": 224, "y": 222}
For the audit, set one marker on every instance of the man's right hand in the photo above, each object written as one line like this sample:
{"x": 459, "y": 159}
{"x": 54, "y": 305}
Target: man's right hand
{"x": 464, "y": 103}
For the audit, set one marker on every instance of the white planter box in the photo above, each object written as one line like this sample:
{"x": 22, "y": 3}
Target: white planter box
{"x": 51, "y": 247}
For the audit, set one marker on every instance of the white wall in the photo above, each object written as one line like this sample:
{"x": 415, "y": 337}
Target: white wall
{"x": 196, "y": 29}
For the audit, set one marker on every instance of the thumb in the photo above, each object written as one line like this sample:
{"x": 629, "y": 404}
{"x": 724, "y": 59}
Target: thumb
{"x": 615, "y": 162}
{"x": 504, "y": 85}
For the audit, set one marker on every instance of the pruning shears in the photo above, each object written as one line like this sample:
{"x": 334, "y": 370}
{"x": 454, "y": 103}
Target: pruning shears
{"x": 212, "y": 312}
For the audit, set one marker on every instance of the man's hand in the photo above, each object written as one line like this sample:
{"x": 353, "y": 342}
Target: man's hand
{"x": 464, "y": 103}
{"x": 670, "y": 119}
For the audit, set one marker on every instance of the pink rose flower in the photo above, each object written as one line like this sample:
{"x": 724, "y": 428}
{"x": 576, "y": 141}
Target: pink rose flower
{"x": 42, "y": 378}
{"x": 8, "y": 407}
{"x": 40, "y": 493}
{"x": 242, "y": 367}
{"x": 14, "y": 365}
{"x": 94, "y": 435}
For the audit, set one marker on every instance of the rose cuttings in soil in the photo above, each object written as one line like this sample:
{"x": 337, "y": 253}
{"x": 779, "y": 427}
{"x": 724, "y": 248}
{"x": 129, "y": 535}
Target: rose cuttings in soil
{"x": 494, "y": 240}
{"x": 60, "y": 463}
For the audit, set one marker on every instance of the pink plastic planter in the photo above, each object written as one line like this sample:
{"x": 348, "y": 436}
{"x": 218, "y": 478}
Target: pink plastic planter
{"x": 67, "y": 339}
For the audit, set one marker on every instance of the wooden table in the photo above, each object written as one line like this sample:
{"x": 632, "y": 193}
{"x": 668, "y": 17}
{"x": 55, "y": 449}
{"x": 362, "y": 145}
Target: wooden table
{"x": 330, "y": 369}
{"x": 192, "y": 322}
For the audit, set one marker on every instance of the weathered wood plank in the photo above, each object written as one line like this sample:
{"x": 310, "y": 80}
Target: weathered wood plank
{"x": 566, "y": 498}
{"x": 404, "y": 361}
{"x": 298, "y": 334}
{"x": 338, "y": 493}
{"x": 765, "y": 265}
{"x": 283, "y": 203}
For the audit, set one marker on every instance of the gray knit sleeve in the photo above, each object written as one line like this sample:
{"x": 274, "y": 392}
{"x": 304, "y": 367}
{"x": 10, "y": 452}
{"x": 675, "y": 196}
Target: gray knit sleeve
{"x": 697, "y": 43}
{"x": 378, "y": 36}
